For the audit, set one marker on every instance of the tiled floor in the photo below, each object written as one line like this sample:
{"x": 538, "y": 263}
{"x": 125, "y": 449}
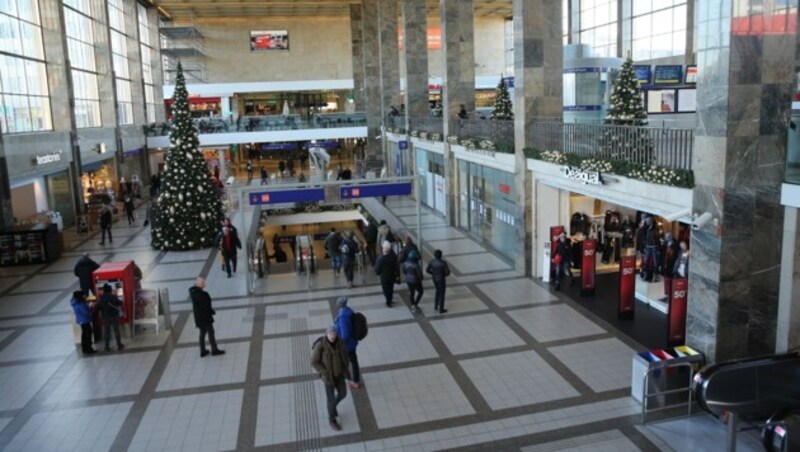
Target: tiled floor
{"x": 511, "y": 366}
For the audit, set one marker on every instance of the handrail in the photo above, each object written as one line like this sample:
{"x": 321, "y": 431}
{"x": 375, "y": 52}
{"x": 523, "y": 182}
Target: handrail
{"x": 646, "y": 395}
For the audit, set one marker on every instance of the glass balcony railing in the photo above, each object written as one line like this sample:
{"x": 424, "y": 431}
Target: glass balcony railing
{"x": 264, "y": 123}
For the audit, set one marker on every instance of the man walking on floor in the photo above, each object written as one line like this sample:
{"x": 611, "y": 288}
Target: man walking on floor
{"x": 228, "y": 240}
{"x": 344, "y": 329}
{"x": 348, "y": 249}
{"x": 329, "y": 359}
{"x": 204, "y": 317}
{"x": 386, "y": 269}
{"x": 84, "y": 269}
{"x": 105, "y": 224}
{"x": 331, "y": 243}
{"x": 439, "y": 270}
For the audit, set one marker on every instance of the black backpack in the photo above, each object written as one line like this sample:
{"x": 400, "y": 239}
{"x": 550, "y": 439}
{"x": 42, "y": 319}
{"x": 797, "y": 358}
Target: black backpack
{"x": 359, "y": 327}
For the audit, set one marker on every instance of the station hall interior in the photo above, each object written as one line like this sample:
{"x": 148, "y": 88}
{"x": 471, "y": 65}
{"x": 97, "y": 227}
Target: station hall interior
{"x": 613, "y": 184}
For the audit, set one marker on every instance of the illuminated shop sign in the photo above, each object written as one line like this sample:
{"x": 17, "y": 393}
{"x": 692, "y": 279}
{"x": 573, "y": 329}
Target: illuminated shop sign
{"x": 51, "y": 157}
{"x": 580, "y": 175}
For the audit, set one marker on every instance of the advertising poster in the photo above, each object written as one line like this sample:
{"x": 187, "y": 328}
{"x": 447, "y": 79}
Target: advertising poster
{"x": 588, "y": 267}
{"x": 145, "y": 307}
{"x": 676, "y": 330}
{"x": 269, "y": 40}
{"x": 627, "y": 286}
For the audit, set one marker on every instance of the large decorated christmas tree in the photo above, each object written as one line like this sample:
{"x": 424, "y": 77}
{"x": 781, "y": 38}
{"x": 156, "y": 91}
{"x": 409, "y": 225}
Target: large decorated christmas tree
{"x": 503, "y": 108}
{"x": 627, "y": 105}
{"x": 632, "y": 143}
{"x": 189, "y": 211}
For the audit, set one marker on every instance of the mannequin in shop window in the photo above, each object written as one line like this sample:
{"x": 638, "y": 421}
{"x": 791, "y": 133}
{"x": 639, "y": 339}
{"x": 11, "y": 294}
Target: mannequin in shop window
{"x": 669, "y": 253}
{"x": 651, "y": 243}
{"x": 612, "y": 227}
{"x": 681, "y": 269}
{"x": 562, "y": 260}
{"x": 641, "y": 234}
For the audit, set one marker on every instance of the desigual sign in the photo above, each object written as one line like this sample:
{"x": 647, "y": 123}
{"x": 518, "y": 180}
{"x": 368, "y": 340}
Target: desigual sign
{"x": 586, "y": 177}
{"x": 47, "y": 158}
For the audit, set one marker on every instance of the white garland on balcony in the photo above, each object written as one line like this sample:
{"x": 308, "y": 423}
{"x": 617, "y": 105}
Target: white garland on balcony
{"x": 601, "y": 166}
{"x": 452, "y": 139}
{"x": 655, "y": 174}
{"x": 554, "y": 157}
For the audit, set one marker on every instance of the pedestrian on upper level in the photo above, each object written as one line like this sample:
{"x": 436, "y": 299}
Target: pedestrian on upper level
{"x": 264, "y": 176}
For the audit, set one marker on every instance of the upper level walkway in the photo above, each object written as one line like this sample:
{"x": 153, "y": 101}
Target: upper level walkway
{"x": 511, "y": 366}
{"x": 261, "y": 129}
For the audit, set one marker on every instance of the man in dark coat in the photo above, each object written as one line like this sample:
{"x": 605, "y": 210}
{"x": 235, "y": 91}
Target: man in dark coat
{"x": 348, "y": 249}
{"x": 329, "y": 358}
{"x": 204, "y": 316}
{"x": 371, "y": 234}
{"x": 332, "y": 243}
{"x": 105, "y": 224}
{"x": 439, "y": 270}
{"x": 228, "y": 242}
{"x": 110, "y": 309}
{"x": 83, "y": 270}
{"x": 386, "y": 268}
{"x": 408, "y": 247}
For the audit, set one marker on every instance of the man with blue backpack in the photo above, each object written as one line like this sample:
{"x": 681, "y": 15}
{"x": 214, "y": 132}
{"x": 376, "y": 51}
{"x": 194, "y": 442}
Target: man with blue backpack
{"x": 352, "y": 328}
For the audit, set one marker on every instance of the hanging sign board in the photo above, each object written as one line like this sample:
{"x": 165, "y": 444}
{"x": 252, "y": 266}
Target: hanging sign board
{"x": 286, "y": 196}
{"x": 588, "y": 266}
{"x": 375, "y": 190}
{"x": 627, "y": 286}
{"x": 676, "y": 330}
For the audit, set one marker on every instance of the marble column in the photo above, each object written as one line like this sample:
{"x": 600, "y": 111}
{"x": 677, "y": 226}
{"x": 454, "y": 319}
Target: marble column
{"x": 415, "y": 29}
{"x": 372, "y": 81}
{"x": 744, "y": 93}
{"x": 357, "y": 39}
{"x": 788, "y": 334}
{"x": 389, "y": 56}
{"x": 103, "y": 58}
{"x": 458, "y": 83}
{"x": 134, "y": 61}
{"x": 59, "y": 81}
{"x": 6, "y": 214}
{"x": 157, "y": 64}
{"x": 538, "y": 65}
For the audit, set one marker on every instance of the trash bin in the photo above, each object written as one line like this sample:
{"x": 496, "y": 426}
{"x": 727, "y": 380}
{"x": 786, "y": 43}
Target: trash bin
{"x": 663, "y": 380}
{"x": 782, "y": 432}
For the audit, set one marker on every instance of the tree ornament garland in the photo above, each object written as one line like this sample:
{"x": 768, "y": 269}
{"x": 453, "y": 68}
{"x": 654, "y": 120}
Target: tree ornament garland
{"x": 503, "y": 108}
{"x": 180, "y": 224}
{"x": 632, "y": 143}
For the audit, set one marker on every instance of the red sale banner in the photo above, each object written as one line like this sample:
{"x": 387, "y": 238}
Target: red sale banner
{"x": 627, "y": 286}
{"x": 555, "y": 231}
{"x": 676, "y": 331}
{"x": 588, "y": 266}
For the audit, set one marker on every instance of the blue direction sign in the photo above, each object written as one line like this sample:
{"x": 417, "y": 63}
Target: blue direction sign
{"x": 284, "y": 196}
{"x": 375, "y": 190}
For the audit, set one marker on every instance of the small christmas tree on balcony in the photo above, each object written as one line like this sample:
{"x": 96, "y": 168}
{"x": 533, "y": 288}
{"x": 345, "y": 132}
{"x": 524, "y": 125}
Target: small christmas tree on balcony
{"x": 627, "y": 109}
{"x": 503, "y": 108}
{"x": 189, "y": 209}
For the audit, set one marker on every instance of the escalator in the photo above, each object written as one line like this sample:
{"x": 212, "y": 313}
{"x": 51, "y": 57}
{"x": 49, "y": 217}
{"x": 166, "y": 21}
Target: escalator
{"x": 763, "y": 390}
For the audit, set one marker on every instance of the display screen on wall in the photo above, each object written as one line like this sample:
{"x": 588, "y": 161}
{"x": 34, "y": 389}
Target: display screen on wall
{"x": 661, "y": 101}
{"x": 269, "y": 40}
{"x": 687, "y": 100}
{"x": 691, "y": 75}
{"x": 643, "y": 73}
{"x": 668, "y": 74}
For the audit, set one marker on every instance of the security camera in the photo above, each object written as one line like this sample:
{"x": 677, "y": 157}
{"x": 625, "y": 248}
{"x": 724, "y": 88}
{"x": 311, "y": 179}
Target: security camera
{"x": 702, "y": 220}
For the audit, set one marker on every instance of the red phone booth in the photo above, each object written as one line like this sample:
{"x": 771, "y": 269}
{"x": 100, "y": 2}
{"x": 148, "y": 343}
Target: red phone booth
{"x": 120, "y": 276}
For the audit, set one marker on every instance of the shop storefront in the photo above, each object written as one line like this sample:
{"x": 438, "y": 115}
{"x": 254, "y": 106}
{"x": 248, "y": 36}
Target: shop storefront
{"x": 486, "y": 206}
{"x": 99, "y": 183}
{"x": 398, "y": 163}
{"x": 430, "y": 170}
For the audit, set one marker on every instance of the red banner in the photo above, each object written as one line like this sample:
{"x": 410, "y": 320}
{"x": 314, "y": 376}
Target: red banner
{"x": 555, "y": 231}
{"x": 627, "y": 286}
{"x": 676, "y": 330}
{"x": 588, "y": 266}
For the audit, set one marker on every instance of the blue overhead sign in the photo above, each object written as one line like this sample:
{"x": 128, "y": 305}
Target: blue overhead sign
{"x": 279, "y": 146}
{"x": 285, "y": 196}
{"x": 375, "y": 190}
